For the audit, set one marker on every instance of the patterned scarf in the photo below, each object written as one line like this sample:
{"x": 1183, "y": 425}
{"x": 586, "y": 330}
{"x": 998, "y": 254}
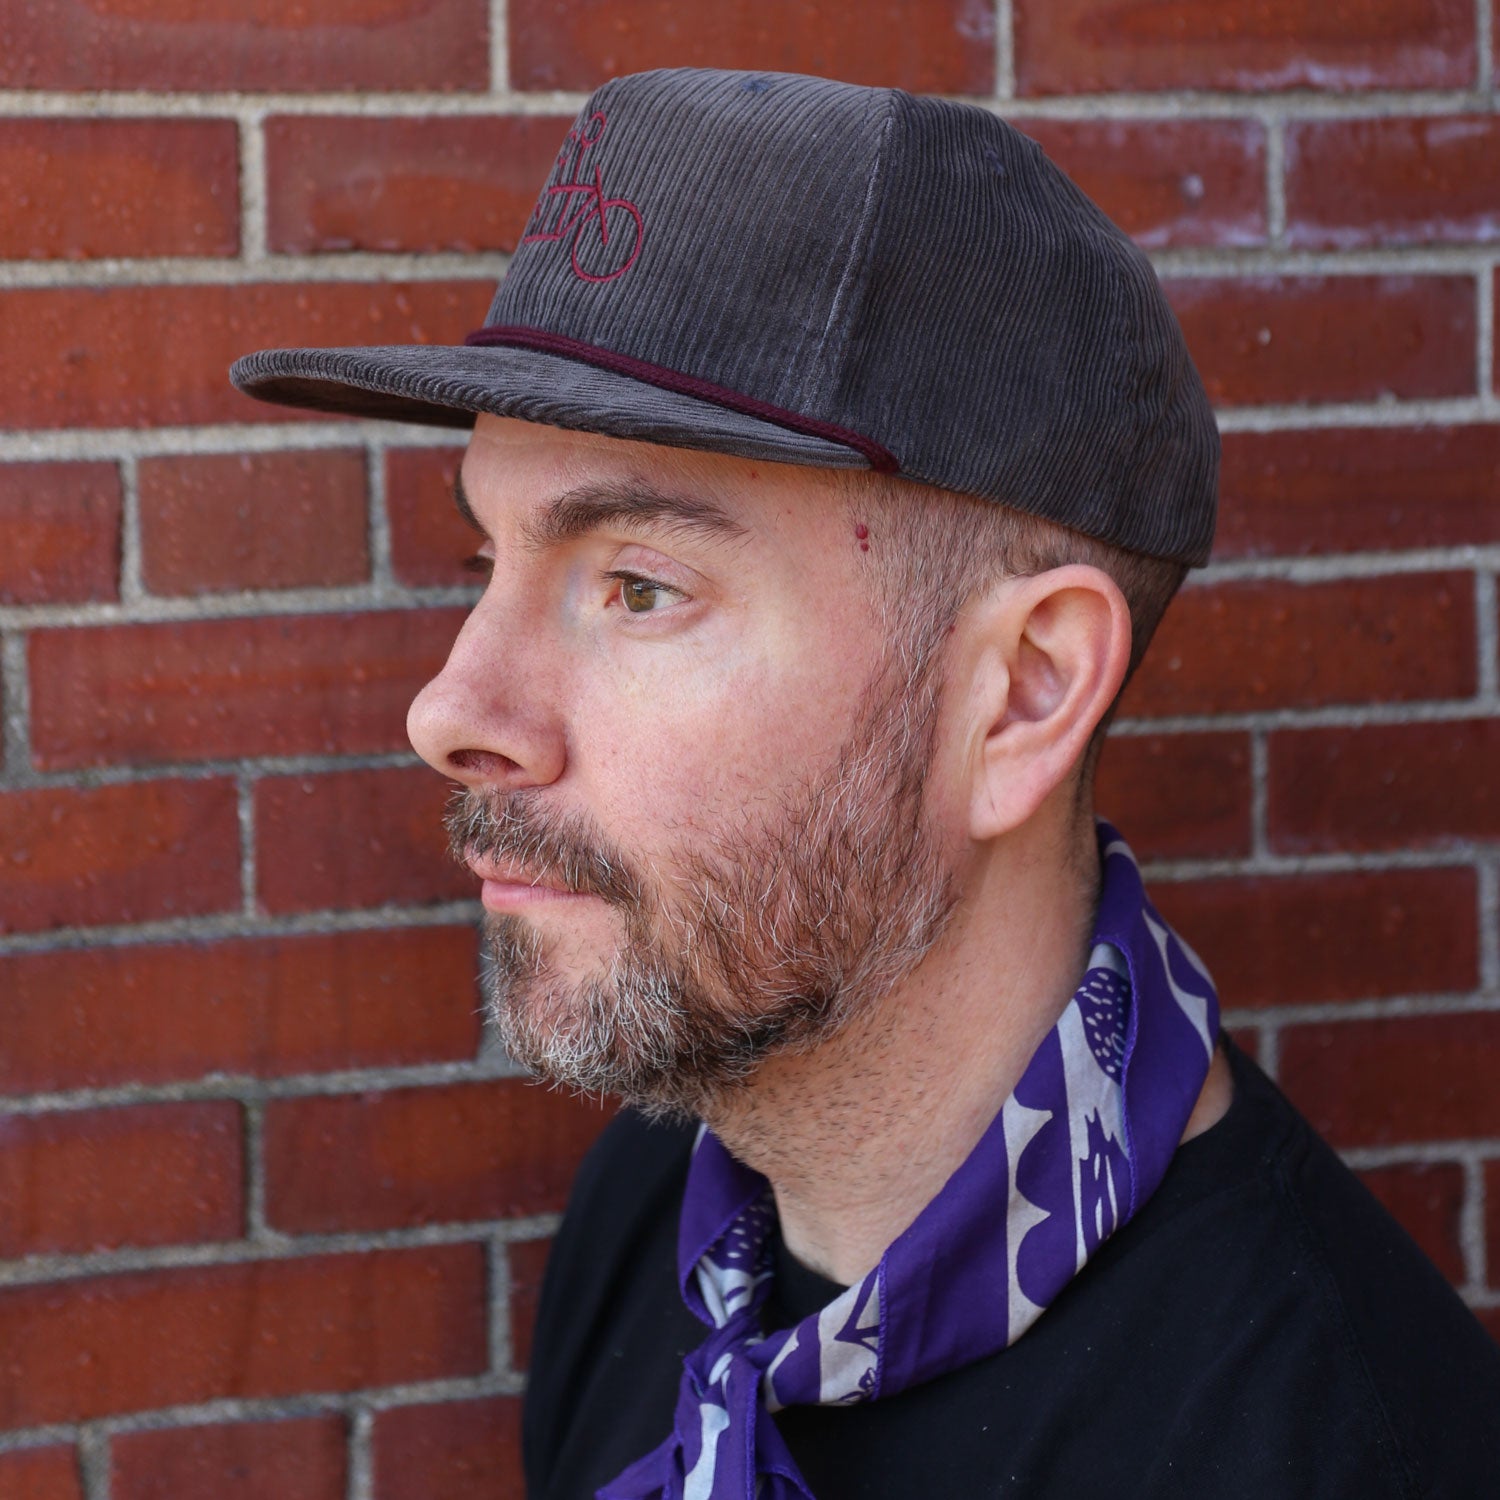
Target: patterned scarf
{"x": 1078, "y": 1147}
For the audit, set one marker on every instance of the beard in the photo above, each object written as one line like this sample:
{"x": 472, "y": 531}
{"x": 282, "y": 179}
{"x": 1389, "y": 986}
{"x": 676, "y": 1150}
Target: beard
{"x": 774, "y": 934}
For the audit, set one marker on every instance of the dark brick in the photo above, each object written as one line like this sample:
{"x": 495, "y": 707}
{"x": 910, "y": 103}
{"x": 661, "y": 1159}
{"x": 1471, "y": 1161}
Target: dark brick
{"x": 1178, "y": 796}
{"x": 500, "y": 1148}
{"x": 78, "y": 857}
{"x": 528, "y": 1264}
{"x": 303, "y": 1459}
{"x": 356, "y": 183}
{"x": 40, "y": 1474}
{"x": 1428, "y": 1199}
{"x": 61, "y": 524}
{"x": 459, "y": 1450}
{"x": 211, "y": 522}
{"x": 1384, "y": 786}
{"x": 206, "y": 689}
{"x": 429, "y": 539}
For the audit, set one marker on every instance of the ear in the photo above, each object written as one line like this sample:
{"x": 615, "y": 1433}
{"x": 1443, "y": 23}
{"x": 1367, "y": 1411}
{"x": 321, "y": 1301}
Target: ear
{"x": 1052, "y": 650}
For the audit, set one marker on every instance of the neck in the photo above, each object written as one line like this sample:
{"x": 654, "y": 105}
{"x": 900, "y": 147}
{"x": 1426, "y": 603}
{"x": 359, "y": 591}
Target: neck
{"x": 858, "y": 1135}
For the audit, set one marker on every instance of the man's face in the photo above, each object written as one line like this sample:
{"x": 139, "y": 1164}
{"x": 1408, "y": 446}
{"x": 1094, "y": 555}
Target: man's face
{"x": 693, "y": 763}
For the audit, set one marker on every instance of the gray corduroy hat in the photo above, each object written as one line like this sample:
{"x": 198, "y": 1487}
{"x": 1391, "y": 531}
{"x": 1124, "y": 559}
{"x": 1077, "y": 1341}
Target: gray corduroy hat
{"x": 794, "y": 269}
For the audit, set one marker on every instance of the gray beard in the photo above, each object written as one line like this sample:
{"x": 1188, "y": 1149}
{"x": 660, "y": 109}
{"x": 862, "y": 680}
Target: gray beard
{"x": 785, "y": 930}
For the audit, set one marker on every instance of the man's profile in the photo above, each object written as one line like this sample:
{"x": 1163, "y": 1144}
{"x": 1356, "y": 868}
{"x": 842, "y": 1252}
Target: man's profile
{"x": 834, "y": 459}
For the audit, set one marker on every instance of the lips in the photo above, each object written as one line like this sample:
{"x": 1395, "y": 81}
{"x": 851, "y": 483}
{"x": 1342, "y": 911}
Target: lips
{"x": 499, "y": 873}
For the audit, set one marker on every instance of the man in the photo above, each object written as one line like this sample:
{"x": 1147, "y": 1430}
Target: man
{"x": 834, "y": 461}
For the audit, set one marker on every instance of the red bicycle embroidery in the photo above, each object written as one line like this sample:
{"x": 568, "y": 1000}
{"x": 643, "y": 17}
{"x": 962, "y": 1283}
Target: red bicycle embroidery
{"x": 607, "y": 232}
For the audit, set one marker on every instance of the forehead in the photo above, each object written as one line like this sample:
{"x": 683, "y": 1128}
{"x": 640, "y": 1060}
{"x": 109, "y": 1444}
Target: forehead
{"x": 512, "y": 471}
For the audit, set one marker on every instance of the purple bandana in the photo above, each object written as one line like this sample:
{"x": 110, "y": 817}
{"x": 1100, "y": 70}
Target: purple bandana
{"x": 1076, "y": 1150}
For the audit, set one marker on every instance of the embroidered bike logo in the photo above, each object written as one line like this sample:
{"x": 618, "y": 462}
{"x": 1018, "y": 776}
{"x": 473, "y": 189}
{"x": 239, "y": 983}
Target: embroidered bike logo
{"x": 606, "y": 232}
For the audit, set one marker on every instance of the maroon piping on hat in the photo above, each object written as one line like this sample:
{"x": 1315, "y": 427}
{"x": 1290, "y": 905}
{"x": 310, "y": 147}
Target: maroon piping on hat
{"x": 880, "y": 459}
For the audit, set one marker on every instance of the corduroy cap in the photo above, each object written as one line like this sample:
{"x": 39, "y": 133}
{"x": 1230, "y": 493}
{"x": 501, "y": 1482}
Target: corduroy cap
{"x": 790, "y": 268}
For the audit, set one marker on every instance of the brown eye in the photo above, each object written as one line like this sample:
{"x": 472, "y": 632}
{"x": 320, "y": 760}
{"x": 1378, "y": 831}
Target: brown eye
{"x": 639, "y": 595}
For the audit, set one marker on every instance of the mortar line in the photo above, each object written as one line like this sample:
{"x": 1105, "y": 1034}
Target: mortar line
{"x": 1270, "y": 1052}
{"x": 497, "y": 1263}
{"x": 93, "y": 1462}
{"x": 132, "y": 586}
{"x": 1005, "y": 50}
{"x": 244, "y": 800}
{"x": 1276, "y": 182}
{"x": 1484, "y": 327}
{"x": 1484, "y": 43}
{"x": 1487, "y": 625}
{"x": 252, "y": 164}
{"x": 378, "y": 517}
{"x": 1259, "y": 795}
{"x": 256, "y": 1228}
{"x": 1488, "y": 870}
{"x": 1471, "y": 1225}
{"x": 361, "y": 1477}
{"x": 500, "y": 47}
{"x": 15, "y": 705}
{"x": 109, "y": 443}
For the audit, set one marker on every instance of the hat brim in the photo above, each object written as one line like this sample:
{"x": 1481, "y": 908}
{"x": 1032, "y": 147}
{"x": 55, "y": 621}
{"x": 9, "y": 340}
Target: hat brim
{"x": 447, "y": 386}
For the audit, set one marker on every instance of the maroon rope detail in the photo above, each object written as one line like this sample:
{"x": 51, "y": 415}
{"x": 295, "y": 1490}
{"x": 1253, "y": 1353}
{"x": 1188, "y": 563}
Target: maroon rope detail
{"x": 881, "y": 459}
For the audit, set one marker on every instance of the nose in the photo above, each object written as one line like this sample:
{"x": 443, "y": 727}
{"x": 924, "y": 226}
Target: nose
{"x": 485, "y": 720}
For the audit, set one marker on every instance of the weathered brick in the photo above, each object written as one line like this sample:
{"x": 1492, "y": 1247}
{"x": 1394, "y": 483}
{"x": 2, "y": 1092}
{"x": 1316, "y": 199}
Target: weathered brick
{"x": 459, "y": 1450}
{"x": 147, "y": 356}
{"x": 355, "y": 838}
{"x": 280, "y": 45}
{"x": 528, "y": 1264}
{"x": 429, "y": 539}
{"x": 259, "y": 1007}
{"x": 1384, "y": 786}
{"x": 219, "y": 521}
{"x": 150, "y": 1174}
{"x": 40, "y": 1474}
{"x": 1177, "y": 796}
{"x": 90, "y": 1347}
{"x": 356, "y": 183}
{"x": 1089, "y": 46}
{"x": 277, "y": 685}
{"x": 1328, "y": 338}
{"x": 485, "y": 1150}
{"x": 77, "y": 857}
{"x": 1400, "y": 1079}
{"x": 1352, "y": 489}
{"x": 1167, "y": 182}
{"x": 61, "y": 524}
{"x": 1432, "y": 179}
{"x": 1274, "y": 643}
{"x": 928, "y": 46}
{"x": 1291, "y": 939}
{"x": 302, "y": 1459}
{"x": 133, "y": 187}
{"x": 1428, "y": 1199}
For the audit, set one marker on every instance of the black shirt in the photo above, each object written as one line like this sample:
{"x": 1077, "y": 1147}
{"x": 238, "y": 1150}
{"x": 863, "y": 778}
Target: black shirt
{"x": 1261, "y": 1328}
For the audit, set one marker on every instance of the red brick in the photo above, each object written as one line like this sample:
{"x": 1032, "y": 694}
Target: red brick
{"x": 205, "y": 689}
{"x": 528, "y": 1264}
{"x": 77, "y": 857}
{"x": 1492, "y": 1233}
{"x": 429, "y": 539}
{"x": 81, "y": 1349}
{"x": 279, "y": 45}
{"x": 1329, "y": 338}
{"x": 1350, "y": 489}
{"x": 928, "y": 46}
{"x": 304, "y": 1459}
{"x": 151, "y": 1174}
{"x": 134, "y": 187}
{"x": 1088, "y": 46}
{"x": 1489, "y": 1317}
{"x": 459, "y": 1450}
{"x": 356, "y": 183}
{"x": 1273, "y": 643}
{"x": 1393, "y": 181}
{"x": 248, "y": 1007}
{"x": 1398, "y": 1080}
{"x": 147, "y": 356}
{"x": 1167, "y": 182}
{"x": 355, "y": 838}
{"x": 40, "y": 1474}
{"x": 253, "y": 521}
{"x": 1384, "y": 786}
{"x": 1292, "y": 939}
{"x": 487, "y": 1150}
{"x": 61, "y": 524}
{"x": 1428, "y": 1200}
{"x": 1177, "y": 796}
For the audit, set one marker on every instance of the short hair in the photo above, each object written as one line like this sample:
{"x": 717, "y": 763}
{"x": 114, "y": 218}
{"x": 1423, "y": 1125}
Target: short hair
{"x": 937, "y": 548}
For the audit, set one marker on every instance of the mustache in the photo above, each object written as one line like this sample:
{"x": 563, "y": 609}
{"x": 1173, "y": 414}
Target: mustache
{"x": 552, "y": 846}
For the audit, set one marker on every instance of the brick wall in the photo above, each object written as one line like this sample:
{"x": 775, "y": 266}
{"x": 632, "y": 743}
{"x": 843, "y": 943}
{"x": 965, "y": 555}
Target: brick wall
{"x": 272, "y": 1212}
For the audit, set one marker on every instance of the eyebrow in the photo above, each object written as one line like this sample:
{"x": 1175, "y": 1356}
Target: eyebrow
{"x": 635, "y": 505}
